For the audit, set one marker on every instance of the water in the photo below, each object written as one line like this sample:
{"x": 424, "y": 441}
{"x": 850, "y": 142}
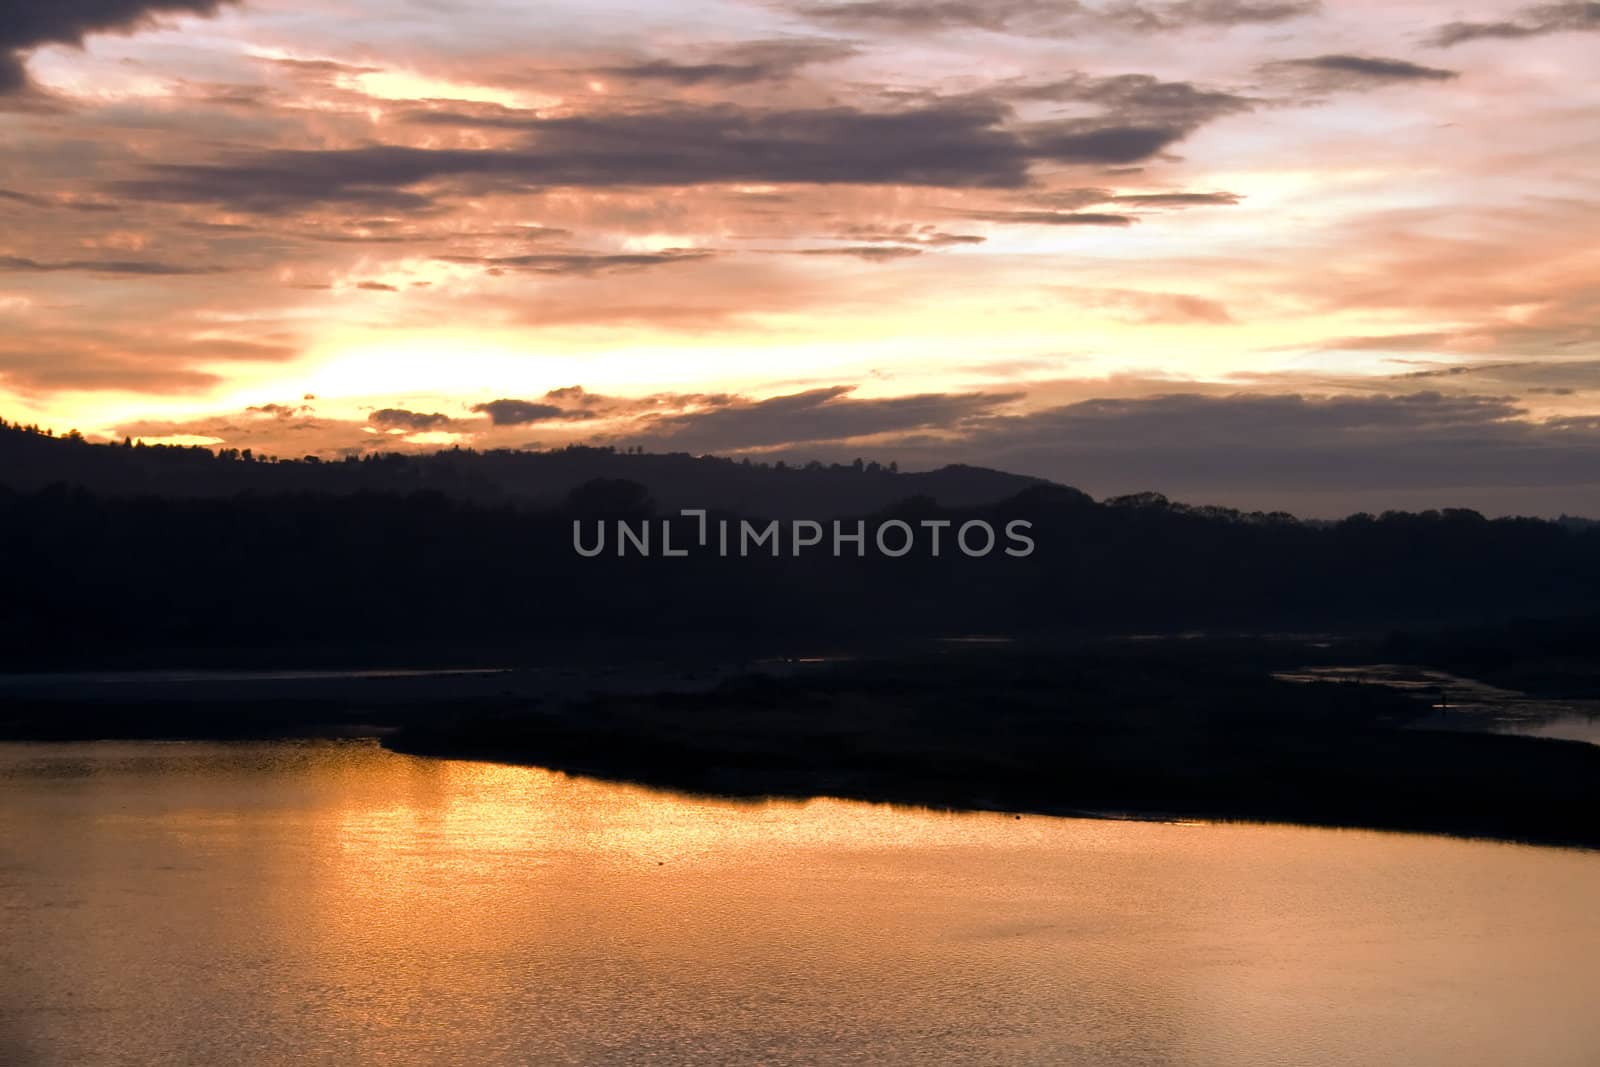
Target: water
{"x": 1467, "y": 704}
{"x": 322, "y": 903}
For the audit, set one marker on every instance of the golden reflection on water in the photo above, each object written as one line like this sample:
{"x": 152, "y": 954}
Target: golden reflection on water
{"x": 311, "y": 903}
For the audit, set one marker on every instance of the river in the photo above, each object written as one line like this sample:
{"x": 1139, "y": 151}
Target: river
{"x": 333, "y": 903}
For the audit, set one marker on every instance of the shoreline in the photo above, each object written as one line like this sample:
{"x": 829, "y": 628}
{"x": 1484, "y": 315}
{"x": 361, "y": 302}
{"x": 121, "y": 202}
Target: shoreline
{"x": 941, "y": 793}
{"x": 934, "y": 795}
{"x": 1135, "y": 732}
{"x": 393, "y": 739}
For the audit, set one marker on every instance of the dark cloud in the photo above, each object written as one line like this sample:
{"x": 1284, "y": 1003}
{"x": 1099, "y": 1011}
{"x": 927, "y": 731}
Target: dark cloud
{"x": 950, "y": 143}
{"x": 816, "y": 415}
{"x": 286, "y": 180}
{"x": 77, "y": 204}
{"x": 280, "y": 411}
{"x": 378, "y": 287}
{"x": 580, "y": 403}
{"x": 1054, "y": 218}
{"x": 1141, "y": 116}
{"x": 1064, "y": 207}
{"x": 318, "y": 67}
{"x": 743, "y": 64}
{"x": 871, "y": 253}
{"x": 1288, "y": 446}
{"x": 27, "y": 24}
{"x": 573, "y": 403}
{"x": 1555, "y": 377}
{"x": 1311, "y": 454}
{"x": 997, "y": 16}
{"x": 1137, "y": 98}
{"x": 24, "y": 198}
{"x": 1071, "y": 199}
{"x": 410, "y": 421}
{"x": 925, "y": 235}
{"x": 1177, "y": 199}
{"x": 1535, "y": 21}
{"x": 575, "y": 394}
{"x": 1212, "y": 12}
{"x": 1318, "y": 454}
{"x": 1314, "y": 454}
{"x": 507, "y": 412}
{"x": 1346, "y": 71}
{"x": 584, "y": 263}
{"x": 1086, "y": 143}
{"x": 18, "y": 264}
{"x": 1049, "y": 17}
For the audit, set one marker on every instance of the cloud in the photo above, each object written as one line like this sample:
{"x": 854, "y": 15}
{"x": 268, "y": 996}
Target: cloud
{"x": 951, "y": 143}
{"x": 1562, "y": 323}
{"x": 924, "y": 235}
{"x": 742, "y": 64}
{"x": 1318, "y": 454}
{"x": 997, "y": 16}
{"x": 1535, "y": 21}
{"x": 1554, "y": 377}
{"x": 871, "y": 253}
{"x": 575, "y": 394}
{"x": 1049, "y": 17}
{"x": 1212, "y": 12}
{"x": 1134, "y": 98}
{"x": 410, "y": 421}
{"x": 18, "y": 264}
{"x": 1054, "y": 218}
{"x": 1141, "y": 116}
{"x": 27, "y": 25}
{"x": 1251, "y": 446}
{"x": 159, "y": 361}
{"x": 965, "y": 142}
{"x": 1329, "y": 72}
{"x": 1176, "y": 199}
{"x": 1309, "y": 453}
{"x": 584, "y": 263}
{"x": 324, "y": 68}
{"x": 71, "y": 204}
{"x": 573, "y": 403}
{"x": 280, "y": 411}
{"x": 1154, "y": 308}
{"x": 508, "y": 412}
{"x": 1082, "y": 142}
{"x": 815, "y": 415}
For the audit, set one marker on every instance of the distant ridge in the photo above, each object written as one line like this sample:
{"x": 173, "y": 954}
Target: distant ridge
{"x": 31, "y": 460}
{"x": 115, "y": 553}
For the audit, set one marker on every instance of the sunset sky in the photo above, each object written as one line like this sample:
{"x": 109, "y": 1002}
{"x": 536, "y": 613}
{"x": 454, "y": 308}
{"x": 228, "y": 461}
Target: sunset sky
{"x": 1267, "y": 253}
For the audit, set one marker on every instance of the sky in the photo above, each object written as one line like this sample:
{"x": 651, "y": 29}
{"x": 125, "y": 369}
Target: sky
{"x": 1322, "y": 257}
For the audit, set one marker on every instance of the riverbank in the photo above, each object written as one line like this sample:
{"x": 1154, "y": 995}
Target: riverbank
{"x": 1059, "y": 735}
{"x": 1142, "y": 729}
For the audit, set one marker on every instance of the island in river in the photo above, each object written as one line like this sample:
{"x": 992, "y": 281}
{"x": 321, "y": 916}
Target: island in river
{"x": 1168, "y": 728}
{"x": 1136, "y": 733}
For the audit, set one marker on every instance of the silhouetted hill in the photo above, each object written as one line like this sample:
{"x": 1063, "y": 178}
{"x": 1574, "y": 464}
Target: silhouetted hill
{"x": 100, "y": 578}
{"x": 31, "y": 460}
